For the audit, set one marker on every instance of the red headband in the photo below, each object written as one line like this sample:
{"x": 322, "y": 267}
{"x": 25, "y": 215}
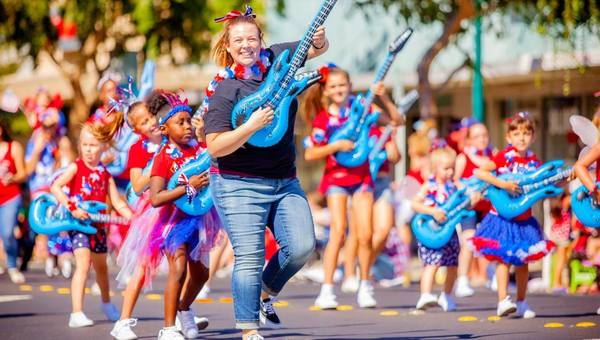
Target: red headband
{"x": 236, "y": 14}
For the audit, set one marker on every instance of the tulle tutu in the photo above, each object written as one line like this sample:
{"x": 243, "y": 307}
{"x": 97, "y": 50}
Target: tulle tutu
{"x": 511, "y": 242}
{"x": 58, "y": 245}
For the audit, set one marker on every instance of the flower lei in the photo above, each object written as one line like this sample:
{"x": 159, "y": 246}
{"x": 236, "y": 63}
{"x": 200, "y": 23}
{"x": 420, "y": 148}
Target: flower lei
{"x": 238, "y": 72}
{"x": 434, "y": 197}
{"x": 517, "y": 163}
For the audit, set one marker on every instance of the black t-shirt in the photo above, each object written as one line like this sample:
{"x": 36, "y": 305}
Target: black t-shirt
{"x": 276, "y": 161}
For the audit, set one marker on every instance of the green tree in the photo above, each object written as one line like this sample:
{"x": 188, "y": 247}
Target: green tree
{"x": 182, "y": 29}
{"x": 557, "y": 19}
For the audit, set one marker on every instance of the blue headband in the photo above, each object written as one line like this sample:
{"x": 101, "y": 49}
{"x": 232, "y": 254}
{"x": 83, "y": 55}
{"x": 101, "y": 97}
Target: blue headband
{"x": 173, "y": 111}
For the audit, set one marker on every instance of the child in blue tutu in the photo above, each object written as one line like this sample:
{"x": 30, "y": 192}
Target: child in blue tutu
{"x": 435, "y": 191}
{"x": 520, "y": 240}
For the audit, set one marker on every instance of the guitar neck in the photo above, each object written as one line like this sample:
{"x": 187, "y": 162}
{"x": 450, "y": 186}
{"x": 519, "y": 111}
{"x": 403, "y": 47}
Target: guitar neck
{"x": 558, "y": 177}
{"x": 381, "y": 141}
{"x": 381, "y": 73}
{"x": 107, "y": 218}
{"x": 305, "y": 43}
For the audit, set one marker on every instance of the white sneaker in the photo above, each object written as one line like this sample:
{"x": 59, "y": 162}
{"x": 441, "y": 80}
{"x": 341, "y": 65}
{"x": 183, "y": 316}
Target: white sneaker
{"x": 426, "y": 300}
{"x": 122, "y": 329}
{"x": 524, "y": 311}
{"x": 506, "y": 307}
{"x": 96, "y": 290}
{"x": 255, "y": 337}
{"x": 598, "y": 311}
{"x": 326, "y": 298}
{"x": 49, "y": 266}
{"x": 446, "y": 302}
{"x": 66, "y": 269}
{"x": 268, "y": 317}
{"x": 201, "y": 322}
{"x": 169, "y": 333}
{"x": 365, "y": 297}
{"x": 110, "y": 311}
{"x": 185, "y": 323}
{"x": 350, "y": 285}
{"x": 463, "y": 289}
{"x": 203, "y": 294}
{"x": 77, "y": 320}
{"x": 16, "y": 276}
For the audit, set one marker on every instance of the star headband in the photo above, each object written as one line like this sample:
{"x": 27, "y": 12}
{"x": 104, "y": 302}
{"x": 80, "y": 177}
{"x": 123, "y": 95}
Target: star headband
{"x": 236, "y": 14}
{"x": 438, "y": 143}
{"x": 176, "y": 104}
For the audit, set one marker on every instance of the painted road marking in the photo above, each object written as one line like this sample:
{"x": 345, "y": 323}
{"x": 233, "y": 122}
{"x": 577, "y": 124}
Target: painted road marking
{"x": 46, "y": 288}
{"x": 494, "y": 318}
{"x": 344, "y": 307}
{"x": 63, "y": 291}
{"x": 314, "y": 308}
{"x": 205, "y": 300}
{"x": 25, "y": 288}
{"x": 226, "y": 300}
{"x": 585, "y": 324}
{"x": 389, "y": 313}
{"x": 153, "y": 297}
{"x": 554, "y": 325}
{"x": 281, "y": 304}
{"x": 416, "y": 312}
{"x": 467, "y": 318}
{"x": 13, "y": 298}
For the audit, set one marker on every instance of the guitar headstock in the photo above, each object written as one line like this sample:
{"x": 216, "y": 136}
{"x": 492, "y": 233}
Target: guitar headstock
{"x": 399, "y": 43}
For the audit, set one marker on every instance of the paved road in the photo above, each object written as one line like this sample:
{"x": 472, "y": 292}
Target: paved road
{"x": 42, "y": 308}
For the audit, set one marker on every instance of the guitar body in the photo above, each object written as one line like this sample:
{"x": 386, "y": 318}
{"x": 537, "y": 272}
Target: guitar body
{"x": 47, "y": 218}
{"x": 362, "y": 143}
{"x": 584, "y": 207}
{"x": 510, "y": 206}
{"x": 434, "y": 235}
{"x": 130, "y": 194}
{"x": 202, "y": 202}
{"x": 376, "y": 162}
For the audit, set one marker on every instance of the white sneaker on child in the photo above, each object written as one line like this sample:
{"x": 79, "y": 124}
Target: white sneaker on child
{"x": 350, "y": 285}
{"x": 77, "y": 320}
{"x": 185, "y": 323}
{"x": 446, "y": 302}
{"x": 326, "y": 298}
{"x": 463, "y": 289}
{"x": 365, "y": 297}
{"x": 49, "y": 266}
{"x": 122, "y": 329}
{"x": 203, "y": 294}
{"x": 16, "y": 276}
{"x": 169, "y": 333}
{"x": 110, "y": 311}
{"x": 524, "y": 311}
{"x": 426, "y": 300}
{"x": 255, "y": 337}
{"x": 66, "y": 269}
{"x": 506, "y": 307}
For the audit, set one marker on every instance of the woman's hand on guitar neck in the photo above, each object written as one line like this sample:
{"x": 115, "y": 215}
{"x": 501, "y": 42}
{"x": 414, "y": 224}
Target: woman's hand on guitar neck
{"x": 320, "y": 44}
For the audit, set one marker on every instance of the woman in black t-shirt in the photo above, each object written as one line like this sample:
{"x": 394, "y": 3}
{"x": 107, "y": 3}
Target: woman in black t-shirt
{"x": 254, "y": 187}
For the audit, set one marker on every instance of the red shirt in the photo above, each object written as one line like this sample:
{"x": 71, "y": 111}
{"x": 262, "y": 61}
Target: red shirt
{"x": 416, "y": 175}
{"x": 7, "y": 168}
{"x": 324, "y": 125}
{"x": 171, "y": 158}
{"x": 509, "y": 161}
{"x": 89, "y": 184}
{"x": 140, "y": 154}
{"x": 483, "y": 206}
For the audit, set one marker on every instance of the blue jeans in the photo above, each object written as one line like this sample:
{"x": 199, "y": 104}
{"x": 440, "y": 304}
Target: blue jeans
{"x": 246, "y": 206}
{"x": 8, "y": 221}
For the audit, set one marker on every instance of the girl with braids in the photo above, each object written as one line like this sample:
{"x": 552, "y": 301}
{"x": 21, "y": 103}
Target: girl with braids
{"x": 254, "y": 187}
{"x": 88, "y": 179}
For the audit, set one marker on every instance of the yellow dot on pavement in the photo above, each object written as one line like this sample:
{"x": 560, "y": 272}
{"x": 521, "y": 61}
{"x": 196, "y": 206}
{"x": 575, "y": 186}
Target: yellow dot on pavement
{"x": 63, "y": 291}
{"x": 314, "y": 308}
{"x": 553, "y": 325}
{"x": 281, "y": 304}
{"x": 344, "y": 307}
{"x": 585, "y": 324}
{"x": 46, "y": 288}
{"x": 389, "y": 313}
{"x": 87, "y": 290}
{"x": 226, "y": 300}
{"x": 153, "y": 297}
{"x": 467, "y": 318}
{"x": 25, "y": 288}
{"x": 206, "y": 300}
{"x": 416, "y": 312}
{"x": 494, "y": 318}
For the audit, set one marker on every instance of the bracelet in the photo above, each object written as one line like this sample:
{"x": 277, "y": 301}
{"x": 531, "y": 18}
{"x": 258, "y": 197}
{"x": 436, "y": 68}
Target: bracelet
{"x": 71, "y": 206}
{"x": 319, "y": 48}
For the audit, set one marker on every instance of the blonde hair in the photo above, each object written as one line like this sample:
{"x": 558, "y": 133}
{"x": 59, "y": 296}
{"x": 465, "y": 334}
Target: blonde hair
{"x": 418, "y": 145}
{"x": 442, "y": 153}
{"x": 219, "y": 51}
{"x": 105, "y": 133}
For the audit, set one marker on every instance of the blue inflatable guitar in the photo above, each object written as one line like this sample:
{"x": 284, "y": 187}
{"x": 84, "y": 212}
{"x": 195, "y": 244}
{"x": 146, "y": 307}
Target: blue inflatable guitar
{"x": 47, "y": 217}
{"x": 130, "y": 194}
{"x": 360, "y": 121}
{"x": 201, "y": 202}
{"x": 435, "y": 235}
{"x": 378, "y": 155}
{"x": 280, "y": 88}
{"x": 535, "y": 186}
{"x": 585, "y": 207}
